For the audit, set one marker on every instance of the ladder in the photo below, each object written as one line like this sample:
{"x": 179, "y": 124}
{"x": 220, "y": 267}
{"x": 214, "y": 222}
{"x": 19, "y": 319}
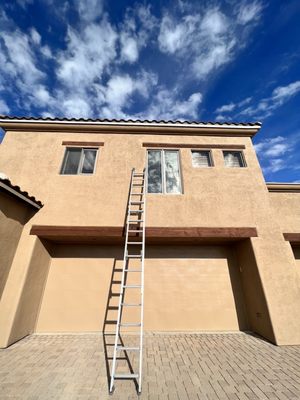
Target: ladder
{"x": 134, "y": 249}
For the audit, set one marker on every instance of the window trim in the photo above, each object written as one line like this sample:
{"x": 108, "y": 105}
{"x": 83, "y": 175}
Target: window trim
{"x": 80, "y": 165}
{"x": 209, "y": 151}
{"x": 235, "y": 151}
{"x": 163, "y": 180}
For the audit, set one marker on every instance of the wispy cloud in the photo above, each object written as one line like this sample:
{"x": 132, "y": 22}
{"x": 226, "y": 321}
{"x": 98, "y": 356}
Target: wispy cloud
{"x": 208, "y": 39}
{"x": 275, "y": 153}
{"x": 248, "y": 12}
{"x": 268, "y": 105}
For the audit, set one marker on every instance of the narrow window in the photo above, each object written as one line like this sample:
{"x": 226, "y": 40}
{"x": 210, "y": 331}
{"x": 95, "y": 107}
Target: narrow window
{"x": 164, "y": 172}
{"x": 201, "y": 159}
{"x": 79, "y": 161}
{"x": 234, "y": 159}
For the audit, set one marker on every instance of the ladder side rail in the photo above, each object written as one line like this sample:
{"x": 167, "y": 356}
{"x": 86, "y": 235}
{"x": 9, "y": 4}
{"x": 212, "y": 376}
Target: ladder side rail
{"x": 145, "y": 189}
{"x": 113, "y": 370}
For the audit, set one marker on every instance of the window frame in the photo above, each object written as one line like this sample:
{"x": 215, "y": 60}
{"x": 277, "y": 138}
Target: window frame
{"x": 235, "y": 151}
{"x": 80, "y": 164}
{"x": 211, "y": 160}
{"x": 163, "y": 178}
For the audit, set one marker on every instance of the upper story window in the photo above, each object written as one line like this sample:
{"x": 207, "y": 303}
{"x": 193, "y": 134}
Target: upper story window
{"x": 79, "y": 161}
{"x": 164, "y": 172}
{"x": 234, "y": 159}
{"x": 201, "y": 159}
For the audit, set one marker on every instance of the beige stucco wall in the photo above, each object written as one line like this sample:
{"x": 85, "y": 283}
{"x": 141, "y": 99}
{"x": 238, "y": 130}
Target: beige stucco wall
{"x": 186, "y": 289}
{"x": 14, "y": 213}
{"x": 213, "y": 197}
{"x": 105, "y": 193}
{"x": 286, "y": 207}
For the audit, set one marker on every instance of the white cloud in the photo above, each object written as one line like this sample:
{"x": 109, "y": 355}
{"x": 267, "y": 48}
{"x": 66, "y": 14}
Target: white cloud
{"x": 205, "y": 40}
{"x": 89, "y": 10}
{"x": 20, "y": 61}
{"x": 76, "y": 107}
{"x": 35, "y": 36}
{"x": 275, "y": 165}
{"x": 46, "y": 51}
{"x": 135, "y": 32}
{"x": 129, "y": 49}
{"x": 89, "y": 53}
{"x": 273, "y": 152}
{"x": 117, "y": 95}
{"x": 226, "y": 108}
{"x": 165, "y": 105}
{"x": 4, "y": 109}
{"x": 279, "y": 96}
{"x": 249, "y": 11}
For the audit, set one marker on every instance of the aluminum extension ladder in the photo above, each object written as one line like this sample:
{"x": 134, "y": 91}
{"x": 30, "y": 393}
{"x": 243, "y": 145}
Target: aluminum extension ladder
{"x": 134, "y": 249}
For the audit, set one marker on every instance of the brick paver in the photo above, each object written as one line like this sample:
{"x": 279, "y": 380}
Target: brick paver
{"x": 176, "y": 366}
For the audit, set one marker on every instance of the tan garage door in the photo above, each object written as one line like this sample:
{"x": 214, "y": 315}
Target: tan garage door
{"x": 187, "y": 288}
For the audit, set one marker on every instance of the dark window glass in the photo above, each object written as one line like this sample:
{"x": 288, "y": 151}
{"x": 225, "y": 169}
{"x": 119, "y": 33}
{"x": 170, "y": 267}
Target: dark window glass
{"x": 71, "y": 161}
{"x": 164, "y": 172}
{"x": 173, "y": 184}
{"x": 79, "y": 161}
{"x": 233, "y": 159}
{"x": 201, "y": 159}
{"x": 89, "y": 157}
{"x": 154, "y": 172}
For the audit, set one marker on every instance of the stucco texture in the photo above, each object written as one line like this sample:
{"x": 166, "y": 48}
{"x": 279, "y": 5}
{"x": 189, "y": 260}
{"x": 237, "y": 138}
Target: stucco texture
{"x": 212, "y": 197}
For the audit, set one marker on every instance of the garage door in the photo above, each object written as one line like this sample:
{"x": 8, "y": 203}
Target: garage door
{"x": 187, "y": 288}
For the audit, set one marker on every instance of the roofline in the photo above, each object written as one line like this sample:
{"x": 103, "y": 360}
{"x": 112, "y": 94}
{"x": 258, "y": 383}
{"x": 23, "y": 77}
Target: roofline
{"x": 245, "y": 129}
{"x": 19, "y": 195}
{"x": 7, "y": 186}
{"x": 283, "y": 187}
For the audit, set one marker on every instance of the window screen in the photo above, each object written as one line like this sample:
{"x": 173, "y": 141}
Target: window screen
{"x": 79, "y": 161}
{"x": 164, "y": 172}
{"x": 201, "y": 159}
{"x": 233, "y": 159}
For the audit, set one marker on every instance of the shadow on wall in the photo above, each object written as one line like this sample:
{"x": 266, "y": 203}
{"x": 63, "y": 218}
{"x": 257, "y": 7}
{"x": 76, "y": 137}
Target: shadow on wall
{"x": 32, "y": 293}
{"x": 296, "y": 251}
{"x": 255, "y": 299}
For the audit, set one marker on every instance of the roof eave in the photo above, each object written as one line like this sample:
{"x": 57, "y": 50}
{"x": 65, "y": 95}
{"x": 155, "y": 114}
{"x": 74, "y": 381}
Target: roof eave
{"x": 131, "y": 127}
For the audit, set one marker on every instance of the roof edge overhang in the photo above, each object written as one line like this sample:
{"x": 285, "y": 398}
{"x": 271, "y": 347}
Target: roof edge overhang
{"x": 130, "y": 126}
{"x": 283, "y": 187}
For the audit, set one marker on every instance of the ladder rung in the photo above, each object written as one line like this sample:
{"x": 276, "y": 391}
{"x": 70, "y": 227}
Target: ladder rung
{"x": 135, "y": 211}
{"x": 131, "y": 324}
{"x": 128, "y": 348}
{"x": 134, "y": 242}
{"x": 136, "y": 220}
{"x": 136, "y": 202}
{"x": 126, "y": 376}
{"x": 134, "y": 256}
{"x": 133, "y": 270}
{"x": 132, "y": 286}
{"x": 135, "y": 230}
{"x": 138, "y": 184}
{"x": 131, "y": 304}
{"x": 137, "y": 194}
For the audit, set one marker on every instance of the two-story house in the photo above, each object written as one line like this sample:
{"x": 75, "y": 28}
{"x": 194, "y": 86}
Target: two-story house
{"x": 222, "y": 246}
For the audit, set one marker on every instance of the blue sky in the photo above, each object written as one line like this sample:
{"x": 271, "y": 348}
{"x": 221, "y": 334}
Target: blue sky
{"x": 232, "y": 60}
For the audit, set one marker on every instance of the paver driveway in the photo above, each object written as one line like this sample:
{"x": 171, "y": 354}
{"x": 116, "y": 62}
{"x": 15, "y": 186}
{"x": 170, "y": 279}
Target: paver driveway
{"x": 176, "y": 366}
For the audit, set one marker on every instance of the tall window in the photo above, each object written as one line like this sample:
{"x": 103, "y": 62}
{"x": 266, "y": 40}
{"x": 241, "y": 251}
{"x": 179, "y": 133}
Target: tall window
{"x": 234, "y": 159}
{"x": 79, "y": 161}
{"x": 164, "y": 172}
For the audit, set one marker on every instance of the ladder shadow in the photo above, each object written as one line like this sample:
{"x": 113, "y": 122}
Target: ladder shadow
{"x": 107, "y": 335}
